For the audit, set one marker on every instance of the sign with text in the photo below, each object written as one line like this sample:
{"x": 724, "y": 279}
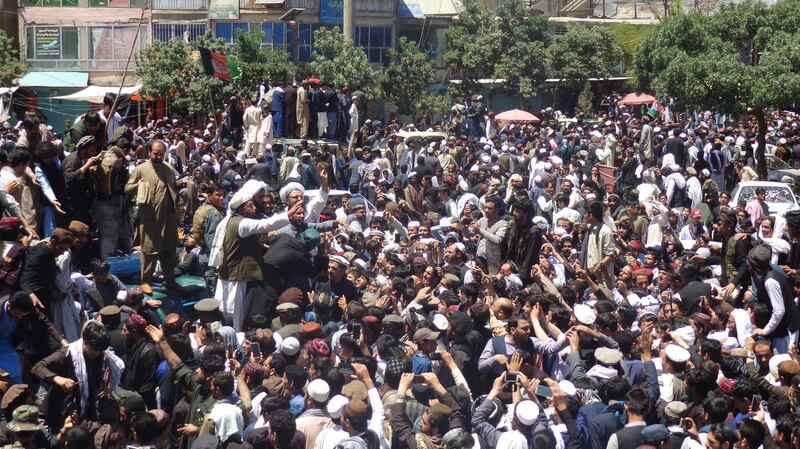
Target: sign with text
{"x": 48, "y": 43}
{"x": 331, "y": 12}
{"x": 223, "y": 9}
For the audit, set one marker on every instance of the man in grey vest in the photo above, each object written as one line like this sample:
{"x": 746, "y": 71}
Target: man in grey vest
{"x": 774, "y": 289}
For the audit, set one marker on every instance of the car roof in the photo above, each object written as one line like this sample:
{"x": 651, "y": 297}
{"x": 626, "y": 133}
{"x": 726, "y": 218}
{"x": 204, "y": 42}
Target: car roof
{"x": 763, "y": 184}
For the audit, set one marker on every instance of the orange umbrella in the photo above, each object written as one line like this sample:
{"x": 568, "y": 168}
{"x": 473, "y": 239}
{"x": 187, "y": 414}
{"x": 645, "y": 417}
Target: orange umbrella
{"x": 517, "y": 116}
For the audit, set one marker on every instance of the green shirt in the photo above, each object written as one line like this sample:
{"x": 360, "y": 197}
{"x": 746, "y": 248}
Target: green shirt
{"x": 202, "y": 401}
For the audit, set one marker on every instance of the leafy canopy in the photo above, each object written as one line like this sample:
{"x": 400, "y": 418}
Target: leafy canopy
{"x": 10, "y": 65}
{"x": 341, "y": 62}
{"x": 583, "y": 53}
{"x": 745, "y": 58}
{"x": 406, "y": 80}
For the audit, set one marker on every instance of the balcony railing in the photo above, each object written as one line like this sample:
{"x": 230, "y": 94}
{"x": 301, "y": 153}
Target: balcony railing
{"x": 180, "y": 4}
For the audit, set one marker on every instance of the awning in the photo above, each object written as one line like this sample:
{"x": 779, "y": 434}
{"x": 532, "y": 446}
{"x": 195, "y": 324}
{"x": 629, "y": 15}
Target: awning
{"x": 95, "y": 94}
{"x": 55, "y": 79}
{"x": 420, "y": 9}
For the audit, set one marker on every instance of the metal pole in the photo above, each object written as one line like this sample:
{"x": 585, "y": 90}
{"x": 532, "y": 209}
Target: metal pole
{"x": 127, "y": 63}
{"x": 349, "y": 20}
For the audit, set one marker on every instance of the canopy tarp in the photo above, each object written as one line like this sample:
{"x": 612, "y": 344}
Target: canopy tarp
{"x": 95, "y": 94}
{"x": 54, "y": 79}
{"x": 634, "y": 99}
{"x": 516, "y": 116}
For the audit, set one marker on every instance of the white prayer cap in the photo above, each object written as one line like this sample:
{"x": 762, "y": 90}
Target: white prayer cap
{"x": 440, "y": 321}
{"x": 567, "y": 387}
{"x": 290, "y": 346}
{"x": 584, "y": 314}
{"x": 413, "y": 224}
{"x": 206, "y": 158}
{"x": 318, "y": 389}
{"x": 706, "y": 173}
{"x": 526, "y": 412}
{"x": 336, "y": 406}
{"x": 782, "y": 141}
{"x": 460, "y": 246}
{"x": 676, "y": 354}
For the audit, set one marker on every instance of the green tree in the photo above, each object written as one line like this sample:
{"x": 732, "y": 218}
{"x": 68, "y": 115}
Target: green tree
{"x": 473, "y": 45}
{"x": 524, "y": 37}
{"x": 173, "y": 70}
{"x": 744, "y": 59}
{"x": 509, "y": 43}
{"x": 11, "y": 67}
{"x": 583, "y": 53}
{"x": 406, "y": 80}
{"x": 339, "y": 61}
{"x": 258, "y": 64}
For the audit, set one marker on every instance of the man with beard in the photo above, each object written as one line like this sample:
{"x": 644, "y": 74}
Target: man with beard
{"x": 154, "y": 185}
{"x": 140, "y": 359}
{"x": 776, "y": 291}
{"x": 522, "y": 241}
{"x": 237, "y": 250}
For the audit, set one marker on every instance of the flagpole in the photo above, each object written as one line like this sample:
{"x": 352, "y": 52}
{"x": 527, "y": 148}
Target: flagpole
{"x": 127, "y": 64}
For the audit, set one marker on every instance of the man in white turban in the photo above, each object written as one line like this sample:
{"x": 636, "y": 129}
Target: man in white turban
{"x": 293, "y": 192}
{"x": 236, "y": 249}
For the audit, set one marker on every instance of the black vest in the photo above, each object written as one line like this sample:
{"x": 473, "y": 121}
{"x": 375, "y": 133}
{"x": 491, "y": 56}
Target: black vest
{"x": 791, "y": 316}
{"x": 629, "y": 437}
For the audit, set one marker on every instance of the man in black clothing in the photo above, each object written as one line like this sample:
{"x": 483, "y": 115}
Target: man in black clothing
{"x": 140, "y": 359}
{"x": 674, "y": 145}
{"x": 522, "y": 241}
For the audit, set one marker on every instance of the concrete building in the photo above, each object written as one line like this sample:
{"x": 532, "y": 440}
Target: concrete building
{"x": 96, "y": 36}
{"x": 8, "y": 18}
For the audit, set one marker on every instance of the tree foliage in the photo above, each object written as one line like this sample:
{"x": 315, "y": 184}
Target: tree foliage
{"x": 258, "y": 64}
{"x": 405, "y": 81}
{"x": 10, "y": 65}
{"x": 171, "y": 69}
{"x": 583, "y": 53}
{"x": 341, "y": 62}
{"x": 524, "y": 39}
{"x": 473, "y": 45}
{"x": 509, "y": 45}
{"x": 745, "y": 58}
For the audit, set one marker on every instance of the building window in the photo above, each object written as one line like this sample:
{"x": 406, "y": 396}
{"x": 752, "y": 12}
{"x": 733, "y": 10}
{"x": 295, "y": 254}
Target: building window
{"x": 300, "y": 50}
{"x": 51, "y": 43}
{"x": 165, "y": 32}
{"x": 376, "y": 42}
{"x": 227, "y": 30}
{"x": 561, "y": 30}
{"x": 273, "y": 35}
{"x": 50, "y": 2}
{"x": 108, "y": 45}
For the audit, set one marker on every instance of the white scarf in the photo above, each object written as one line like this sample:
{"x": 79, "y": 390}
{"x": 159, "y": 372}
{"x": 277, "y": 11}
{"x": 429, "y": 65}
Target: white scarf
{"x": 114, "y": 363}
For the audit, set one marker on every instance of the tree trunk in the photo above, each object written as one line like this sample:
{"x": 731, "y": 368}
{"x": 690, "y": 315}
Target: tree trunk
{"x": 761, "y": 142}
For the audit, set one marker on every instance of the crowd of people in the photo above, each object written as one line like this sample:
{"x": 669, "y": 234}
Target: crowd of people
{"x": 474, "y": 284}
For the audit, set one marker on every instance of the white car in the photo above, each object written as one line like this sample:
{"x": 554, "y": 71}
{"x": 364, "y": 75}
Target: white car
{"x": 780, "y": 197}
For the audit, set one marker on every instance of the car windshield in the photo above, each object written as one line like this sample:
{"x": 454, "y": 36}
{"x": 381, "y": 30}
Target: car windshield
{"x": 775, "y": 194}
{"x": 775, "y": 163}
